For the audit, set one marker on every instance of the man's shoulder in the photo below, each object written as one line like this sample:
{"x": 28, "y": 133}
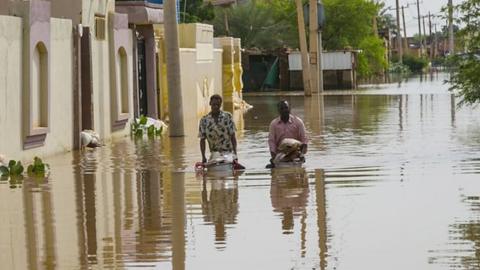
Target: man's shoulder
{"x": 227, "y": 114}
{"x": 298, "y": 119}
{"x": 205, "y": 118}
{"x": 275, "y": 120}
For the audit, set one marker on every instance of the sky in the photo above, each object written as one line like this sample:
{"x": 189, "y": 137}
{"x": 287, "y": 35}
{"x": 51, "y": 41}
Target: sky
{"x": 433, "y": 6}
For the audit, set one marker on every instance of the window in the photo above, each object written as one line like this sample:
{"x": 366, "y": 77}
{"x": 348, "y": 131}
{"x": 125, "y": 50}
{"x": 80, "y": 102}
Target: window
{"x": 39, "y": 90}
{"x": 100, "y": 27}
{"x": 36, "y": 102}
{"x": 123, "y": 80}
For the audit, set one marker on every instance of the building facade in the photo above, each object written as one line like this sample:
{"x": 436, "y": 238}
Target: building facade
{"x": 97, "y": 68}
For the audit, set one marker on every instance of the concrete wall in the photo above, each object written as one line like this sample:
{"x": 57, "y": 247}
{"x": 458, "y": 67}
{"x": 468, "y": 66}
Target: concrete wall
{"x": 70, "y": 9}
{"x": 4, "y": 7}
{"x": 60, "y": 137}
{"x": 198, "y": 84}
{"x": 101, "y": 61}
{"x": 201, "y": 69}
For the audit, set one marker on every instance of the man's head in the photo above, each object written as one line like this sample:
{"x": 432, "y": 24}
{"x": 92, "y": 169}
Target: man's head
{"x": 215, "y": 103}
{"x": 283, "y": 109}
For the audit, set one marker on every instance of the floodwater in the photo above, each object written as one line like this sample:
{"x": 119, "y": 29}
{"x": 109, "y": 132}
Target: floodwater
{"x": 392, "y": 181}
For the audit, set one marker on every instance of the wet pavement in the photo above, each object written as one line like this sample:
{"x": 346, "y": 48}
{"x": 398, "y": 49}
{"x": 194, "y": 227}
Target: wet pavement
{"x": 391, "y": 182}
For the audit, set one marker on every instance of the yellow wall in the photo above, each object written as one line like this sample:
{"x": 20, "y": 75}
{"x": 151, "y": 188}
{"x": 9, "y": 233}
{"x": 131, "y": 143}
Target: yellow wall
{"x": 60, "y": 137}
{"x": 200, "y": 68}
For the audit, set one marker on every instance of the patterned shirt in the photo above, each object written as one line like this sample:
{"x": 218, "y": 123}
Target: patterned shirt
{"x": 294, "y": 129}
{"x": 218, "y": 134}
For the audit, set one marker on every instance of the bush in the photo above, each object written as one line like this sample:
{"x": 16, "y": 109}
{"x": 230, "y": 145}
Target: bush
{"x": 415, "y": 64}
{"x": 398, "y": 68}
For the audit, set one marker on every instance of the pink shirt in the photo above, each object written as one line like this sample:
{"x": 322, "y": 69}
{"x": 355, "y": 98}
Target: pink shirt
{"x": 293, "y": 129}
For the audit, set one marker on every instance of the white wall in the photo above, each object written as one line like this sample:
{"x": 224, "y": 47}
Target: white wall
{"x": 60, "y": 137}
{"x": 330, "y": 61}
{"x": 101, "y": 72}
{"x": 10, "y": 84}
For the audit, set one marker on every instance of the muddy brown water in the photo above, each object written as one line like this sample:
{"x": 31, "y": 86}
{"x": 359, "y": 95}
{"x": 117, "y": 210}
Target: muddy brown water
{"x": 392, "y": 181}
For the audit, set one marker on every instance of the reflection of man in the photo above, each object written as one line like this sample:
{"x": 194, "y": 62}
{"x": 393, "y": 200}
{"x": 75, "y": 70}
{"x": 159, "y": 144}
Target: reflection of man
{"x": 218, "y": 129}
{"x": 289, "y": 195}
{"x": 221, "y": 206}
{"x": 286, "y": 126}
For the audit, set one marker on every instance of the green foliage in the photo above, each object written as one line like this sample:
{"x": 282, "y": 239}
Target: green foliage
{"x": 139, "y": 127}
{"x": 196, "y": 11}
{"x": 38, "y": 168}
{"x": 348, "y": 22}
{"x": 386, "y": 21}
{"x": 271, "y": 24}
{"x": 396, "y": 67}
{"x": 143, "y": 120}
{"x": 15, "y": 168}
{"x": 340, "y": 32}
{"x": 415, "y": 64}
{"x": 465, "y": 77}
{"x": 260, "y": 24}
{"x": 371, "y": 61}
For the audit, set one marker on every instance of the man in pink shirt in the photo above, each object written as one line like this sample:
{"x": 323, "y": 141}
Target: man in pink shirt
{"x": 286, "y": 126}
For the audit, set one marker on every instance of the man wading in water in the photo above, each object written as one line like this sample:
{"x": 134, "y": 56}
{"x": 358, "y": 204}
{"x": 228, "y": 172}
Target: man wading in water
{"x": 286, "y": 126}
{"x": 218, "y": 129}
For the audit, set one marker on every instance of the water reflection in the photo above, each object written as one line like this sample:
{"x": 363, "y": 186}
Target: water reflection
{"x": 400, "y": 176}
{"x": 289, "y": 194}
{"x": 220, "y": 205}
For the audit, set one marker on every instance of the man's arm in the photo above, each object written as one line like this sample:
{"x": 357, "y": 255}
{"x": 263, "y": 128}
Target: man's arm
{"x": 303, "y": 136}
{"x": 271, "y": 140}
{"x": 202, "y": 135}
{"x": 233, "y": 138}
{"x": 202, "y": 150}
{"x": 303, "y": 148}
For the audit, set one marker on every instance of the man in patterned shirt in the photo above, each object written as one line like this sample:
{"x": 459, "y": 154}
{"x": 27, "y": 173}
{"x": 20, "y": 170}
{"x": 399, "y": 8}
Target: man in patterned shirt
{"x": 218, "y": 129}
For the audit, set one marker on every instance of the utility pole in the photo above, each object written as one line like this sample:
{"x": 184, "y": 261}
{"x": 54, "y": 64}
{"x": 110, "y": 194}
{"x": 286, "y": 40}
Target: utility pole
{"x": 435, "y": 50}
{"x": 424, "y": 35}
{"x": 419, "y": 28}
{"x": 320, "y": 55}
{"x": 303, "y": 49}
{"x": 405, "y": 37}
{"x": 175, "y": 104}
{"x": 313, "y": 26}
{"x": 399, "y": 35}
{"x": 430, "y": 34}
{"x": 316, "y": 77}
{"x": 451, "y": 45}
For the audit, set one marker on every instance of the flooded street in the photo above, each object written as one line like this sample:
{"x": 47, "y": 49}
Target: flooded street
{"x": 392, "y": 181}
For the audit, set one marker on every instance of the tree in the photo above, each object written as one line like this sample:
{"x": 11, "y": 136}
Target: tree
{"x": 340, "y": 33}
{"x": 196, "y": 11}
{"x": 465, "y": 77}
{"x": 259, "y": 24}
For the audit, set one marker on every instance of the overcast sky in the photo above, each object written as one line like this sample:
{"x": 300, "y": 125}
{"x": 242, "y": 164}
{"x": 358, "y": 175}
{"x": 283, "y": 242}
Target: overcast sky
{"x": 411, "y": 21}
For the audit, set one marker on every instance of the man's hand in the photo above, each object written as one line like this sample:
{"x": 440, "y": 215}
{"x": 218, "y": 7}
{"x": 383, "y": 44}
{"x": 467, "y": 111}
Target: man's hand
{"x": 204, "y": 160}
{"x": 303, "y": 148}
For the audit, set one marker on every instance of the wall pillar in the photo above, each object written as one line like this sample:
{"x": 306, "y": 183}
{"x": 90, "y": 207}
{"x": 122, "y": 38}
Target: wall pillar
{"x": 227, "y": 44}
{"x": 36, "y": 71}
{"x": 238, "y": 70}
